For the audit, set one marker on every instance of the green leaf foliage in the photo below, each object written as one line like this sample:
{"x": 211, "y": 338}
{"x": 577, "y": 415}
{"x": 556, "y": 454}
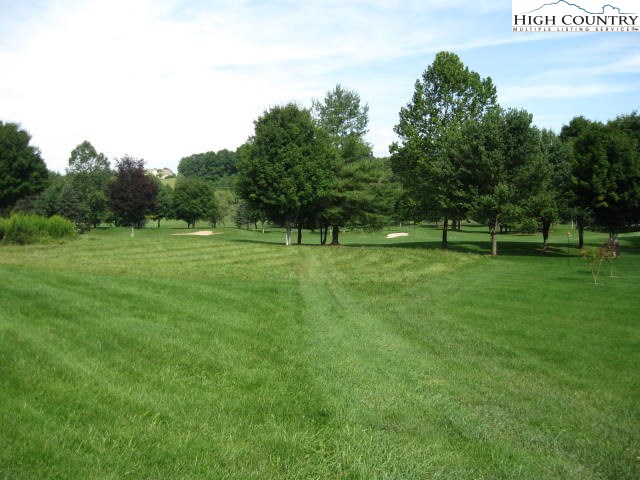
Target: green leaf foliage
{"x": 499, "y": 156}
{"x": 22, "y": 170}
{"x": 193, "y": 199}
{"x": 446, "y": 96}
{"x": 605, "y": 175}
{"x": 362, "y": 193}
{"x": 220, "y": 167}
{"x": 164, "y": 202}
{"x": 90, "y": 173}
{"x": 343, "y": 117}
{"x": 25, "y": 229}
{"x": 287, "y": 164}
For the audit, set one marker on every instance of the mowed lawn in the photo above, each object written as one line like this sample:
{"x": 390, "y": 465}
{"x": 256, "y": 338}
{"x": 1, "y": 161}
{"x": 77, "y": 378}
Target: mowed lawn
{"x": 234, "y": 357}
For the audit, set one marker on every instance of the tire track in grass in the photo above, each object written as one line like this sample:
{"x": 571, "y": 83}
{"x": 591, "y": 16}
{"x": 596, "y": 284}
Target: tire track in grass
{"x": 390, "y": 406}
{"x": 358, "y": 364}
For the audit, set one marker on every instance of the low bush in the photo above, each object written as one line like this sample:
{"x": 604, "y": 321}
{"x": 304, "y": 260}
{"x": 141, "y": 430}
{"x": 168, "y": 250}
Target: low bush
{"x": 60, "y": 227}
{"x": 25, "y": 229}
{"x": 529, "y": 225}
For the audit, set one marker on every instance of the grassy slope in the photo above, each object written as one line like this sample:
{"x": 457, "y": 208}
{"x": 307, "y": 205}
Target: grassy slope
{"x": 235, "y": 357}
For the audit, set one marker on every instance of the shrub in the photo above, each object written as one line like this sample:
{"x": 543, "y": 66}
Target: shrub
{"x": 60, "y": 227}
{"x": 529, "y": 225}
{"x": 24, "y": 229}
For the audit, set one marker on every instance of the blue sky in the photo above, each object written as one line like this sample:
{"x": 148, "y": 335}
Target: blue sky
{"x": 162, "y": 79}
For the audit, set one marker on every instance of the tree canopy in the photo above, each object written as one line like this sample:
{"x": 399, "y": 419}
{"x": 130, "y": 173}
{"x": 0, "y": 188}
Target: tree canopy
{"x": 286, "y": 166}
{"x": 498, "y": 157}
{"x": 90, "y": 173}
{"x": 605, "y": 174}
{"x": 22, "y": 170}
{"x": 193, "y": 199}
{"x": 446, "y": 96}
{"x": 346, "y": 121}
{"x": 210, "y": 166}
{"x": 132, "y": 192}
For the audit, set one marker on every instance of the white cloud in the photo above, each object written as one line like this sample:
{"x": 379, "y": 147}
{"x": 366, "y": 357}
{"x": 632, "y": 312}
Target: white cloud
{"x": 162, "y": 79}
{"x": 627, "y": 64}
{"x": 129, "y": 77}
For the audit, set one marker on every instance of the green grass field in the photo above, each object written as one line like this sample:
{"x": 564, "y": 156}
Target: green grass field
{"x": 234, "y": 357}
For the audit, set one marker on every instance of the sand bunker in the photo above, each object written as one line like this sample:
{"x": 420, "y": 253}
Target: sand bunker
{"x": 396, "y": 235}
{"x": 201, "y": 233}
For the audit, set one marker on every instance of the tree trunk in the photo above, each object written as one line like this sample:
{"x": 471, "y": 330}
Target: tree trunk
{"x": 445, "y": 227}
{"x": 323, "y": 234}
{"x": 287, "y": 234}
{"x": 494, "y": 238}
{"x": 299, "y": 234}
{"x": 335, "y": 232}
{"x": 546, "y": 226}
{"x": 580, "y": 222}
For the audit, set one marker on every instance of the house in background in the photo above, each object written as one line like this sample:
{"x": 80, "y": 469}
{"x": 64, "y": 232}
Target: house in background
{"x": 161, "y": 173}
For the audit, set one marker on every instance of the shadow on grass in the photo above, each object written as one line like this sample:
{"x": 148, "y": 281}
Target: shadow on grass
{"x": 265, "y": 241}
{"x": 505, "y": 248}
{"x": 632, "y": 242}
{"x": 476, "y": 242}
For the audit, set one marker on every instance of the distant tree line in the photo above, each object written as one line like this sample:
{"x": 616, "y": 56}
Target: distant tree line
{"x": 459, "y": 157}
{"x": 91, "y": 193}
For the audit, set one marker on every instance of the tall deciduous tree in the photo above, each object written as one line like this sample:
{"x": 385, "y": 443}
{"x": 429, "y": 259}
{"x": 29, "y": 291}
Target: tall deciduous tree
{"x": 625, "y": 166}
{"x": 22, "y": 170}
{"x": 193, "y": 200}
{"x": 90, "y": 173}
{"x": 605, "y": 176}
{"x": 225, "y": 200}
{"x": 132, "y": 192}
{"x": 447, "y": 95}
{"x": 550, "y": 171}
{"x": 345, "y": 119}
{"x": 164, "y": 202}
{"x": 578, "y": 201}
{"x": 287, "y": 165}
{"x": 499, "y": 155}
